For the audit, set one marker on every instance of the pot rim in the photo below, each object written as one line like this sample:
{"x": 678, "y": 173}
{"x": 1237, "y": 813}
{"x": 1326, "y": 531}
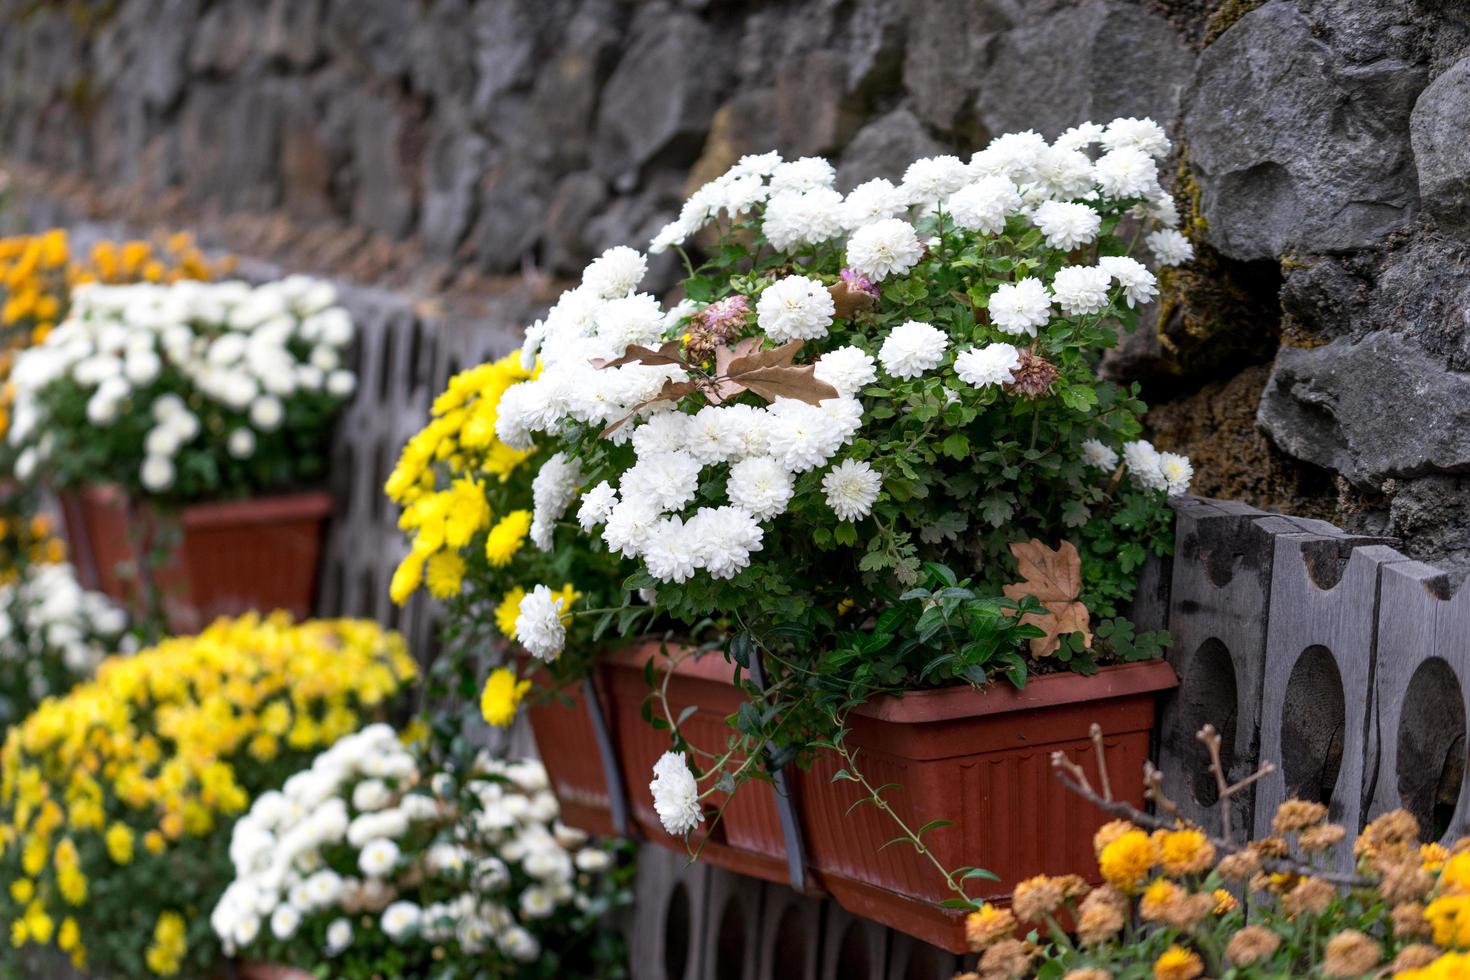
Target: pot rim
{"x": 266, "y": 509}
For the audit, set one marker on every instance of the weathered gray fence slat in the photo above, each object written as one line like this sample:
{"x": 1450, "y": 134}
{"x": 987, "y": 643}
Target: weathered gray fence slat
{"x": 909, "y": 959}
{"x": 854, "y": 948}
{"x": 669, "y": 934}
{"x": 1219, "y": 595}
{"x": 731, "y": 922}
{"x": 1318, "y": 696}
{"x": 1422, "y": 699}
{"x": 790, "y": 937}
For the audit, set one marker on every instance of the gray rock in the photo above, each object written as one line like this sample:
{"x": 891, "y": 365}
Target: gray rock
{"x": 292, "y": 32}
{"x": 1097, "y": 61}
{"x": 661, "y": 94}
{"x": 1294, "y": 147}
{"x": 370, "y": 35}
{"x": 884, "y": 148}
{"x": 814, "y": 114}
{"x": 442, "y": 58}
{"x": 1441, "y": 147}
{"x": 505, "y": 48}
{"x": 451, "y": 178}
{"x": 1371, "y": 410}
{"x": 512, "y": 206}
{"x": 570, "y": 239}
{"x": 227, "y": 39}
{"x": 875, "y": 31}
{"x": 563, "y": 102}
{"x": 384, "y": 195}
{"x": 1432, "y": 515}
{"x": 945, "y": 53}
{"x": 217, "y": 166}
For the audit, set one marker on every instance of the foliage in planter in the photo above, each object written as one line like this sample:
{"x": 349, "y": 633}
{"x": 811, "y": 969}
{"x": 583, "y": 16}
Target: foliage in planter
{"x": 467, "y": 500}
{"x": 116, "y": 800}
{"x": 37, "y": 273}
{"x": 186, "y": 391}
{"x": 372, "y": 864}
{"x": 862, "y": 400}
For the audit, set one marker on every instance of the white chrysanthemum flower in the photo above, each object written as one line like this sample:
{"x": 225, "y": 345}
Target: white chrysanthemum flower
{"x": 551, "y": 491}
{"x": 1094, "y": 453}
{"x": 667, "y": 480}
{"x": 267, "y": 413}
{"x": 339, "y": 937}
{"x": 616, "y": 272}
{"x": 761, "y": 486}
{"x": 714, "y": 434}
{"x": 851, "y": 487}
{"x": 912, "y": 348}
{"x": 1126, "y": 172}
{"x": 872, "y": 201}
{"x": 284, "y": 922}
{"x": 241, "y": 443}
{"x": 1169, "y": 247}
{"x": 156, "y": 474}
{"x": 801, "y": 176}
{"x": 675, "y": 794}
{"x": 671, "y": 553}
{"x": 1139, "y": 285}
{"x": 400, "y": 919}
{"x": 1160, "y": 207}
{"x": 846, "y": 415}
{"x": 848, "y": 369}
{"x": 662, "y": 433}
{"x": 538, "y": 625}
{"x": 808, "y": 218}
{"x": 983, "y": 205}
{"x": 1065, "y": 173}
{"x": 628, "y": 524}
{"x": 671, "y": 234}
{"x": 341, "y": 383}
{"x": 883, "y": 248}
{"x": 1012, "y": 155}
{"x": 993, "y": 364}
{"x": 1142, "y": 134}
{"x": 740, "y": 195}
{"x": 725, "y": 537}
{"x": 795, "y": 308}
{"x": 1177, "y": 472}
{"x": 1142, "y": 461}
{"x": 1067, "y": 224}
{"x": 755, "y": 165}
{"x": 929, "y": 180}
{"x": 597, "y": 505}
{"x": 801, "y": 437}
{"x": 1080, "y": 137}
{"x": 378, "y": 857}
{"x": 1021, "y": 307}
{"x": 1081, "y": 289}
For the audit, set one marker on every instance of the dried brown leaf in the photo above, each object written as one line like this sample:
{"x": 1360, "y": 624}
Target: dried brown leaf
{"x": 787, "y": 382}
{"x": 1054, "y": 577}
{"x": 672, "y": 391}
{"x": 849, "y": 301}
{"x": 668, "y": 353}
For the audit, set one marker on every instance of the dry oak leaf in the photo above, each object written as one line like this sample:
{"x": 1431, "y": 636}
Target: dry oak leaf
{"x": 1054, "y": 577}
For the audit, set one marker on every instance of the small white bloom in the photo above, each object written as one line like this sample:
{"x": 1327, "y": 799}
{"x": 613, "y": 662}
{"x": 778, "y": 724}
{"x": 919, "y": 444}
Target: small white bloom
{"x": 1177, "y": 473}
{"x": 616, "y": 272}
{"x": 912, "y": 348}
{"x": 848, "y": 369}
{"x": 1067, "y": 225}
{"x": 761, "y": 486}
{"x": 808, "y": 218}
{"x": 597, "y": 505}
{"x": 1021, "y": 307}
{"x": 983, "y": 205}
{"x": 1011, "y": 155}
{"x": 267, "y": 413}
{"x": 400, "y": 919}
{"x": 1139, "y": 285}
{"x": 670, "y": 553}
{"x": 241, "y": 443}
{"x": 1126, "y": 172}
{"x": 1064, "y": 174}
{"x": 538, "y": 626}
{"x": 1080, "y": 137}
{"x": 993, "y": 364}
{"x": 1081, "y": 289}
{"x": 378, "y": 857}
{"x": 1143, "y": 134}
{"x": 284, "y": 921}
{"x": 801, "y": 437}
{"x": 371, "y": 794}
{"x": 675, "y": 794}
{"x": 724, "y": 538}
{"x": 871, "y": 201}
{"x": 339, "y": 937}
{"x": 1142, "y": 461}
{"x": 929, "y": 180}
{"x": 157, "y": 473}
{"x": 1094, "y": 453}
{"x": 884, "y": 248}
{"x": 806, "y": 174}
{"x": 1169, "y": 247}
{"x": 341, "y": 384}
{"x": 795, "y": 308}
{"x": 852, "y": 487}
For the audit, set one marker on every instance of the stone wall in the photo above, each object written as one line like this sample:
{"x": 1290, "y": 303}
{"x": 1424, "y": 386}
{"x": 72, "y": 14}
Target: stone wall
{"x": 1316, "y": 356}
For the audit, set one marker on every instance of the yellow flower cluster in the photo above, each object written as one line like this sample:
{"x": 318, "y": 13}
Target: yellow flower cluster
{"x": 27, "y": 540}
{"x": 502, "y": 696}
{"x": 166, "y": 744}
{"x": 459, "y": 447}
{"x": 37, "y": 273}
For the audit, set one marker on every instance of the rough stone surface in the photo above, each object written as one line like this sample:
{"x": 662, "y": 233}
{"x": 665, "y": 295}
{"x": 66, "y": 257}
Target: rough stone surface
{"x": 462, "y": 149}
{"x": 1441, "y": 149}
{"x": 1295, "y": 146}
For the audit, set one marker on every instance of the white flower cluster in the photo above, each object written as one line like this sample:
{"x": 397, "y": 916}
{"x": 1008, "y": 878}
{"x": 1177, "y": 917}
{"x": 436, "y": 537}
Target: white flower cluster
{"x": 233, "y": 352}
{"x": 368, "y": 793}
{"x": 47, "y": 618}
{"x": 1151, "y": 469}
{"x": 675, "y": 794}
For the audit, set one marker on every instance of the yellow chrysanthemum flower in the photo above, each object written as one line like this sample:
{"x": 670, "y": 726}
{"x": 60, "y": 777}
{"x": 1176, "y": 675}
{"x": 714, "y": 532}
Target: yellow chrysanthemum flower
{"x": 445, "y": 574}
{"x": 1178, "y": 963}
{"x": 1126, "y": 861}
{"x": 507, "y": 611}
{"x": 502, "y": 696}
{"x": 507, "y": 537}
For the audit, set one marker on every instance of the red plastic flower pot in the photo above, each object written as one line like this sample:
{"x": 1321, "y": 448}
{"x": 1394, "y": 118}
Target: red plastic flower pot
{"x": 748, "y": 837}
{"x": 231, "y": 557}
{"x": 250, "y": 970}
{"x": 981, "y": 759}
{"x": 566, "y": 739}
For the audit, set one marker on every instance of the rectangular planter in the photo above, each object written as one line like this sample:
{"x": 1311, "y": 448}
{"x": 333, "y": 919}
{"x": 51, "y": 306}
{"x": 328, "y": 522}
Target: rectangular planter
{"x": 748, "y": 837}
{"x": 232, "y": 556}
{"x": 981, "y": 759}
{"x": 566, "y": 739}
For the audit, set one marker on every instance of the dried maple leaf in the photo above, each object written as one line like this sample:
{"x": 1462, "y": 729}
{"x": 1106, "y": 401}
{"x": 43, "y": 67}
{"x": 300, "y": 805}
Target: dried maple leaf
{"x": 1054, "y": 577}
{"x": 849, "y": 301}
{"x": 668, "y": 353}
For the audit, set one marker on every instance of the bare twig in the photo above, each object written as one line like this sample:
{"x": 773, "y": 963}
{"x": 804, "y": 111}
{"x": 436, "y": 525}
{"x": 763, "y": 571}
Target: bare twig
{"x": 1153, "y": 781}
{"x": 1102, "y": 762}
{"x": 1212, "y": 740}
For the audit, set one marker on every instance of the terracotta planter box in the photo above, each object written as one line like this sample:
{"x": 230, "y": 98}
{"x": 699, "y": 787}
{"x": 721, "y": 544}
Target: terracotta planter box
{"x": 748, "y": 837}
{"x": 566, "y": 740}
{"x": 232, "y": 556}
{"x": 269, "y": 971}
{"x": 981, "y": 759}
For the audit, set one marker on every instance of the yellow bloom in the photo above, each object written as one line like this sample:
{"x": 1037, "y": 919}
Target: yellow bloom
{"x": 120, "y": 843}
{"x": 38, "y": 924}
{"x": 1456, "y": 874}
{"x": 22, "y": 890}
{"x": 502, "y": 696}
{"x": 1178, "y": 963}
{"x": 1450, "y": 966}
{"x": 154, "y": 842}
{"x": 1449, "y": 917}
{"x": 1183, "y": 852}
{"x": 445, "y": 574}
{"x": 407, "y": 577}
{"x": 508, "y": 610}
{"x": 1126, "y": 861}
{"x": 1432, "y": 857}
{"x": 507, "y": 537}
{"x": 1224, "y": 901}
{"x": 69, "y": 936}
